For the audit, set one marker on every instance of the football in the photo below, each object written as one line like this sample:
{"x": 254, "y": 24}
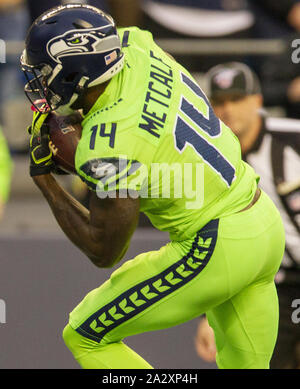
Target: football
{"x": 64, "y": 133}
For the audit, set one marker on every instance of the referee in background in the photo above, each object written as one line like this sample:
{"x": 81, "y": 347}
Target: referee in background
{"x": 272, "y": 147}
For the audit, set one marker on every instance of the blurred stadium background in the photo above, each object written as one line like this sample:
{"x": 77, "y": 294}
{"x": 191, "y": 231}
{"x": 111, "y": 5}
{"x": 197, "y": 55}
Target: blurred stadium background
{"x": 42, "y": 275}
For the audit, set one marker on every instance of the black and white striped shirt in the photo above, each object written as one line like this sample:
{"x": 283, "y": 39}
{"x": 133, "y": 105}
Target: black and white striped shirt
{"x": 275, "y": 156}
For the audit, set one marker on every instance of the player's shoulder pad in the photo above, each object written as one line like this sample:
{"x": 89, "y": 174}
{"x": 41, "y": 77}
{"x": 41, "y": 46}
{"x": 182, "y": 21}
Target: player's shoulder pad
{"x": 136, "y": 34}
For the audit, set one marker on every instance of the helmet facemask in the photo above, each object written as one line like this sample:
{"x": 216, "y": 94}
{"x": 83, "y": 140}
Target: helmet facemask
{"x": 36, "y": 88}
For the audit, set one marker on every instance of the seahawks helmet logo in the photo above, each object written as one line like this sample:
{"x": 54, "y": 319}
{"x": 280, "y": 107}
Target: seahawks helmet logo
{"x": 81, "y": 42}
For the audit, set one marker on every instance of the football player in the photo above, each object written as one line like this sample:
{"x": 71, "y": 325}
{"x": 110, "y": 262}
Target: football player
{"x": 272, "y": 147}
{"x": 144, "y": 112}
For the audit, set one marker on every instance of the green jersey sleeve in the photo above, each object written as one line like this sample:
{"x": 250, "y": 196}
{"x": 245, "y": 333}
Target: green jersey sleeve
{"x": 5, "y": 169}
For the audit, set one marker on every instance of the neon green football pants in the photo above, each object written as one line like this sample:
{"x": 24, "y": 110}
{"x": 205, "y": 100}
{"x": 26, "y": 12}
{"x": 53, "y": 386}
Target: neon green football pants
{"x": 226, "y": 271}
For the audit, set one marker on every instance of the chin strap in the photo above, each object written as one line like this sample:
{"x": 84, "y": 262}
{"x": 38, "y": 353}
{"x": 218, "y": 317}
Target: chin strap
{"x": 65, "y": 110}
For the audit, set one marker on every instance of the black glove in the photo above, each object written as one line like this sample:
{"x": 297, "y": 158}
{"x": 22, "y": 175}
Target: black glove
{"x": 40, "y": 154}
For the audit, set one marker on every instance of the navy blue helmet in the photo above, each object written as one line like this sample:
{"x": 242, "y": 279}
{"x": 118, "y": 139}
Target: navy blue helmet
{"x": 68, "y": 49}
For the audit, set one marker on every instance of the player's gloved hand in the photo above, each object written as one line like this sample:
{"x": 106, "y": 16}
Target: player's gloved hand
{"x": 38, "y": 120}
{"x": 40, "y": 154}
{"x": 41, "y": 151}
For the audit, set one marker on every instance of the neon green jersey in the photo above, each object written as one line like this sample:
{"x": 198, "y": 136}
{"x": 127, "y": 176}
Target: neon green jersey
{"x": 153, "y": 132}
{"x": 5, "y": 169}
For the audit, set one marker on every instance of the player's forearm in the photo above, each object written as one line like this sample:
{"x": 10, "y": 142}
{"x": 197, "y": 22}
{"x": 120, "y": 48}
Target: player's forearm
{"x": 73, "y": 218}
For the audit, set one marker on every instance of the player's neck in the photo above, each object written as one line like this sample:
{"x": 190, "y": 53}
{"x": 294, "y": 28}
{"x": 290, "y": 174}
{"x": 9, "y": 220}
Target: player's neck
{"x": 92, "y": 95}
{"x": 249, "y": 138}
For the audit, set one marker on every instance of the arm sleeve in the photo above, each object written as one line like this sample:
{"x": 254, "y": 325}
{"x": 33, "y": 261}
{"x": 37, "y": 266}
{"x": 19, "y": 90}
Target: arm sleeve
{"x": 5, "y": 170}
{"x": 110, "y": 174}
{"x": 106, "y": 166}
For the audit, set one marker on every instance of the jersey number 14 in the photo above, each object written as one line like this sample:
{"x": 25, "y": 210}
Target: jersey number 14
{"x": 186, "y": 134}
